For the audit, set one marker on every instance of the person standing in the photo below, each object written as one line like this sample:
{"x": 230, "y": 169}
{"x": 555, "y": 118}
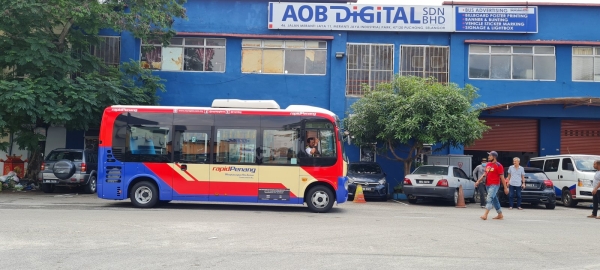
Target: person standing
{"x": 477, "y": 173}
{"x": 494, "y": 174}
{"x": 516, "y": 181}
{"x": 595, "y": 193}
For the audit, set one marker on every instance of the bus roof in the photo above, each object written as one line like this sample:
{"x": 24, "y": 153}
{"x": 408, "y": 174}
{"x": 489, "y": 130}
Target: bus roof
{"x": 300, "y": 109}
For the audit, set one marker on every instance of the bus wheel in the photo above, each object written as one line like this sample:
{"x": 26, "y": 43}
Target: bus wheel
{"x": 319, "y": 199}
{"x": 144, "y": 194}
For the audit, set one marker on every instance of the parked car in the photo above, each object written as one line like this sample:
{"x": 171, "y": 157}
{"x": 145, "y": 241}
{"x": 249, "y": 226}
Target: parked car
{"x": 539, "y": 189}
{"x": 69, "y": 167}
{"x": 438, "y": 181}
{"x": 372, "y": 179}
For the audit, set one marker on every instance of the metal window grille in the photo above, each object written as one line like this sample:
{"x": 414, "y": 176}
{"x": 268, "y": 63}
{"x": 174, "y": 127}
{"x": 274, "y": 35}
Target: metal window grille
{"x": 425, "y": 62}
{"x": 108, "y": 50}
{"x": 369, "y": 64}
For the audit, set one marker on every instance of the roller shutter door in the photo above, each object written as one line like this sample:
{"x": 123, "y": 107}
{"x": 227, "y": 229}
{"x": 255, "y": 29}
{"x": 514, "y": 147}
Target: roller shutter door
{"x": 509, "y": 135}
{"x": 580, "y": 137}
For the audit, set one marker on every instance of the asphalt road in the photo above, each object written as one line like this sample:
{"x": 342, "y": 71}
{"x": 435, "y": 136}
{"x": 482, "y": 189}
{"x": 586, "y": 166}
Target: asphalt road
{"x": 73, "y": 231}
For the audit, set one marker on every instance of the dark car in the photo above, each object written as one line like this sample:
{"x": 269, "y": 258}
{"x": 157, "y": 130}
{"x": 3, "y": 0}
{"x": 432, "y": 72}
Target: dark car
{"x": 539, "y": 189}
{"x": 372, "y": 179}
{"x": 69, "y": 167}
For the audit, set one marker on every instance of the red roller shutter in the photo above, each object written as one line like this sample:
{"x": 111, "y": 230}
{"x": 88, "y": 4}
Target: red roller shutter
{"x": 509, "y": 135}
{"x": 580, "y": 137}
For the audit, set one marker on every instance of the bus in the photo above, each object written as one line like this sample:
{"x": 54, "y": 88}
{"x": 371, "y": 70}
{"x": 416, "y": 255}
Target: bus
{"x": 236, "y": 151}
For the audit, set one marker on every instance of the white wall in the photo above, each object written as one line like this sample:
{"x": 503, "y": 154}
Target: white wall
{"x": 55, "y": 138}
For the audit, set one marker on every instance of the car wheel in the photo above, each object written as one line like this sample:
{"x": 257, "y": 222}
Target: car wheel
{"x": 48, "y": 188}
{"x": 90, "y": 188}
{"x": 454, "y": 201}
{"x": 319, "y": 199}
{"x": 144, "y": 195}
{"x": 411, "y": 199}
{"x": 567, "y": 199}
{"x": 550, "y": 205}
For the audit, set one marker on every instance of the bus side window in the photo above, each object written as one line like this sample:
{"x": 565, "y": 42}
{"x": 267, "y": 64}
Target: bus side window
{"x": 148, "y": 138}
{"x": 279, "y": 147}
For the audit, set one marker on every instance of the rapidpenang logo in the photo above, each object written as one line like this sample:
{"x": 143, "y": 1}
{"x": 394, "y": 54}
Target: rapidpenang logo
{"x": 234, "y": 169}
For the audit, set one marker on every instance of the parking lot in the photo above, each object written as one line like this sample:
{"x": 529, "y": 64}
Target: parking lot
{"x": 73, "y": 231}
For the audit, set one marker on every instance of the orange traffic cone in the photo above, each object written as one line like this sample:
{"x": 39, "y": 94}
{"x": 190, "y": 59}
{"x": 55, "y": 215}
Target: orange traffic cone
{"x": 359, "y": 197}
{"x": 461, "y": 198}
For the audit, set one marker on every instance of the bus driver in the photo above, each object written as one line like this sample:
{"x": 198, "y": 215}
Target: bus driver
{"x": 311, "y": 147}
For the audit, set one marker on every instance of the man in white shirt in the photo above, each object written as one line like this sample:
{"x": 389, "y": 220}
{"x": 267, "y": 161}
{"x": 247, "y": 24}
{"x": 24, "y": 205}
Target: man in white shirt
{"x": 516, "y": 180}
{"x": 595, "y": 187}
{"x": 311, "y": 147}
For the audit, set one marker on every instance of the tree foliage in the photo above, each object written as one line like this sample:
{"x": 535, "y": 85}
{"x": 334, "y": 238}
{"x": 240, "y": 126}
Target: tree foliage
{"x": 48, "y": 72}
{"x": 410, "y": 112}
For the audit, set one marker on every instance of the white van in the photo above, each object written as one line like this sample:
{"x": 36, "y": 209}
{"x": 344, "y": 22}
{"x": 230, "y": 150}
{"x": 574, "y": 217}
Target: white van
{"x": 572, "y": 176}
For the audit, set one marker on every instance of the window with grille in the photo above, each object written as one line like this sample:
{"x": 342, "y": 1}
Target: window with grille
{"x": 284, "y": 56}
{"x": 185, "y": 54}
{"x": 368, "y": 64}
{"x": 586, "y": 64}
{"x": 512, "y": 62}
{"x": 108, "y": 50}
{"x": 425, "y": 62}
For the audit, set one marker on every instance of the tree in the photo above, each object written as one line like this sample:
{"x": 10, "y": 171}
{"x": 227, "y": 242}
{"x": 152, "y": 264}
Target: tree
{"x": 49, "y": 74}
{"x": 409, "y": 112}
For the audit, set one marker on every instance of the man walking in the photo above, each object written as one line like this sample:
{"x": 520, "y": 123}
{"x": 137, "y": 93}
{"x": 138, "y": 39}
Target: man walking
{"x": 516, "y": 181}
{"x": 477, "y": 173}
{"x": 494, "y": 174}
{"x": 595, "y": 187}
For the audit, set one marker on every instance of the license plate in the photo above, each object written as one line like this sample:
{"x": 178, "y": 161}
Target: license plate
{"x": 367, "y": 189}
{"x": 51, "y": 181}
{"x": 424, "y": 181}
{"x": 531, "y": 186}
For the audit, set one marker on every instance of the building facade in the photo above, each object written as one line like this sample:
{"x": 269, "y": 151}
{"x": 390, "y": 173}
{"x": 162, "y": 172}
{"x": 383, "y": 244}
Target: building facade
{"x": 537, "y": 67}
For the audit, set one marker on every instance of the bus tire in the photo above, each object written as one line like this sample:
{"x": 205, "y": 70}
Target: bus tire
{"x": 144, "y": 194}
{"x": 319, "y": 199}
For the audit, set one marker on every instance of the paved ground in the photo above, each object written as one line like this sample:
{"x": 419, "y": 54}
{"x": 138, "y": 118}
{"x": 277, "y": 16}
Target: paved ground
{"x": 70, "y": 231}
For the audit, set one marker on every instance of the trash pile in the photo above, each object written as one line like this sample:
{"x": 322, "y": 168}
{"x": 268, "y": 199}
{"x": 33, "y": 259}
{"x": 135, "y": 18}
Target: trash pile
{"x": 11, "y": 181}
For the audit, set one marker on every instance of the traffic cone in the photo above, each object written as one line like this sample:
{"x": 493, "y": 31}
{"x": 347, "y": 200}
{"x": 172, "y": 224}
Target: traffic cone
{"x": 359, "y": 197}
{"x": 461, "y": 198}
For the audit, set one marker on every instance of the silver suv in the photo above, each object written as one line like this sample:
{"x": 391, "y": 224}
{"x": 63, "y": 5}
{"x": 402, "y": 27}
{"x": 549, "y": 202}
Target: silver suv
{"x": 69, "y": 167}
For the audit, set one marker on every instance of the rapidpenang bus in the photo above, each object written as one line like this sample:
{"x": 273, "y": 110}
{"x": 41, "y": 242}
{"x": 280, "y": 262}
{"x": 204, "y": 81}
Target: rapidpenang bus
{"x": 236, "y": 151}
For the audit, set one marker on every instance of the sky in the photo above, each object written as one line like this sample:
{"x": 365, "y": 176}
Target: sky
{"x": 439, "y": 2}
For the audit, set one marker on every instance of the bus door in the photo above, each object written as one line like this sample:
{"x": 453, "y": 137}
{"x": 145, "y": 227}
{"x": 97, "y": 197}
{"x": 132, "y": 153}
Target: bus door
{"x": 192, "y": 161}
{"x": 279, "y": 169}
{"x": 234, "y": 170}
{"x": 321, "y": 134}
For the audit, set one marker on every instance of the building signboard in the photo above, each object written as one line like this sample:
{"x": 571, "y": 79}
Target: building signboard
{"x": 321, "y": 16}
{"x": 496, "y": 19}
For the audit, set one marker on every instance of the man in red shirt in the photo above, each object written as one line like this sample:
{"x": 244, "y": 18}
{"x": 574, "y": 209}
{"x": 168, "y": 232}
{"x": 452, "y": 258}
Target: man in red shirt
{"x": 494, "y": 173}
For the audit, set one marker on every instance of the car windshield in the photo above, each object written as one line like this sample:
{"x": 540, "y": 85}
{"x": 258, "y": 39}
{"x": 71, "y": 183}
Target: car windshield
{"x": 586, "y": 164}
{"x": 535, "y": 176}
{"x": 365, "y": 169}
{"x": 60, "y": 155}
{"x": 436, "y": 170}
